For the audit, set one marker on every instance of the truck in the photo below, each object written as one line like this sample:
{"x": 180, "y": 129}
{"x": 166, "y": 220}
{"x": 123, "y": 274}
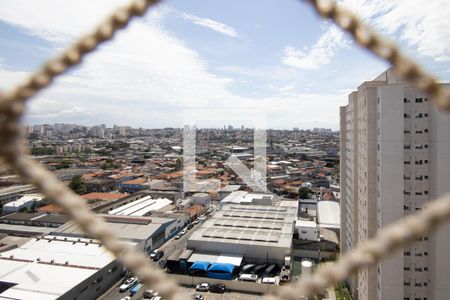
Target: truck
{"x": 135, "y": 289}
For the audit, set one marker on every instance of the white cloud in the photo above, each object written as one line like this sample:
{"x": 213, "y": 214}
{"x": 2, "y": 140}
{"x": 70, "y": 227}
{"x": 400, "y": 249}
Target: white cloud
{"x": 423, "y": 25}
{"x": 144, "y": 70}
{"x": 211, "y": 24}
{"x": 320, "y": 53}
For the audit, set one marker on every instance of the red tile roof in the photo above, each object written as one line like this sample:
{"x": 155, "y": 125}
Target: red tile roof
{"x": 103, "y": 196}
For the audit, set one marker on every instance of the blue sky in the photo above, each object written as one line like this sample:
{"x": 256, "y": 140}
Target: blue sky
{"x": 276, "y": 57}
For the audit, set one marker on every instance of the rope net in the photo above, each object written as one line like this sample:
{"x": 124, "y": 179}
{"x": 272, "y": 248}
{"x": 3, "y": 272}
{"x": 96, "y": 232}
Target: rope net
{"x": 389, "y": 239}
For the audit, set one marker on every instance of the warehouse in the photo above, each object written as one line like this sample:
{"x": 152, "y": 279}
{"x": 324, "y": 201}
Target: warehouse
{"x": 255, "y": 233}
{"x": 25, "y": 202}
{"x": 51, "y": 267}
{"x": 148, "y": 232}
{"x": 141, "y": 207}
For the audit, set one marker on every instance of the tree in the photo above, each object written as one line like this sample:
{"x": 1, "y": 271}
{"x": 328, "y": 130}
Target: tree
{"x": 64, "y": 164}
{"x": 304, "y": 193}
{"x": 77, "y": 185}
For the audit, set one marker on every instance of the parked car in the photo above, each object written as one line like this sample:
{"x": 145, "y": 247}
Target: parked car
{"x": 271, "y": 270}
{"x": 196, "y": 221}
{"x": 202, "y": 287}
{"x": 158, "y": 255}
{"x": 154, "y": 252}
{"x": 128, "y": 284}
{"x": 190, "y": 226}
{"x": 247, "y": 268}
{"x": 157, "y": 298}
{"x": 126, "y": 298}
{"x": 259, "y": 269}
{"x": 162, "y": 263}
{"x": 183, "y": 232}
{"x": 199, "y": 297}
{"x": 248, "y": 277}
{"x": 149, "y": 294}
{"x": 178, "y": 236}
{"x": 217, "y": 288}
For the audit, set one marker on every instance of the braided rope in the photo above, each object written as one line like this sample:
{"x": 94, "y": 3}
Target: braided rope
{"x": 11, "y": 109}
{"x": 387, "y": 241}
{"x": 365, "y": 36}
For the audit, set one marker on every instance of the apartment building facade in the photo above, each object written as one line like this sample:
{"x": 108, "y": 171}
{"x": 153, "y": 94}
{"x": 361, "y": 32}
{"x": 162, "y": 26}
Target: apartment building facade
{"x": 395, "y": 157}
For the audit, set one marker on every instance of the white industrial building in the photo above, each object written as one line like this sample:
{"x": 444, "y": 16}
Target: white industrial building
{"x": 25, "y": 201}
{"x": 329, "y": 215}
{"x": 52, "y": 267}
{"x": 141, "y": 207}
{"x": 256, "y": 233}
{"x": 246, "y": 198}
{"x": 307, "y": 230}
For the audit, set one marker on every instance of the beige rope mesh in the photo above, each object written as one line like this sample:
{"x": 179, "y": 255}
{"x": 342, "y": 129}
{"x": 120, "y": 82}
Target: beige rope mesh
{"x": 386, "y": 242}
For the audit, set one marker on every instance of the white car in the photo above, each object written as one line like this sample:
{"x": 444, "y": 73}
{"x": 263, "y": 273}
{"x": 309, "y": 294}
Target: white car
{"x": 183, "y": 232}
{"x": 128, "y": 284}
{"x": 150, "y": 294}
{"x": 154, "y": 252}
{"x": 202, "y": 287}
{"x": 126, "y": 298}
{"x": 178, "y": 236}
{"x": 197, "y": 221}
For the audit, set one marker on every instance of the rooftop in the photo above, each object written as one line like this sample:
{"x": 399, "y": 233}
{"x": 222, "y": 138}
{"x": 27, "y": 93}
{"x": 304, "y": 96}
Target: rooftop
{"x": 47, "y": 267}
{"x": 141, "y": 207}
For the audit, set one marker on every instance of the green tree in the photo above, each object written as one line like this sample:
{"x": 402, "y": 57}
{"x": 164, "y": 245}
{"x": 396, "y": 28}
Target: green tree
{"x": 304, "y": 193}
{"x": 64, "y": 164}
{"x": 77, "y": 185}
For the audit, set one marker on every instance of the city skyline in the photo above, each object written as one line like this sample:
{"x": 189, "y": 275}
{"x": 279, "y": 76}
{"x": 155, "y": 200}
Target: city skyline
{"x": 215, "y": 56}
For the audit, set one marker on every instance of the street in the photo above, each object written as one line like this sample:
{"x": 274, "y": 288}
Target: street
{"x": 169, "y": 247}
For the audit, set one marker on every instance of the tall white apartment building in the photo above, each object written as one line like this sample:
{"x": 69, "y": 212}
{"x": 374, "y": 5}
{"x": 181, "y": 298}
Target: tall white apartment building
{"x": 395, "y": 157}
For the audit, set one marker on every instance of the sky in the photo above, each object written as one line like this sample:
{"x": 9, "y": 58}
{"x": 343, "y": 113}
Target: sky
{"x": 275, "y": 58}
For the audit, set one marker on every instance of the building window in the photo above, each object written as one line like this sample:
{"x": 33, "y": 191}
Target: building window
{"x": 418, "y": 100}
{"x": 405, "y": 100}
{"x": 406, "y": 116}
{"x": 406, "y": 162}
{"x": 407, "y": 147}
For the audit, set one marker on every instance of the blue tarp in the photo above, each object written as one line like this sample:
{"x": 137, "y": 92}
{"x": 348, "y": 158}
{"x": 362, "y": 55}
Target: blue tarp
{"x": 221, "y": 271}
{"x": 199, "y": 266}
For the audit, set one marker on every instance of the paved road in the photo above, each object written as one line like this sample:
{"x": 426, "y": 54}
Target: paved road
{"x": 169, "y": 247}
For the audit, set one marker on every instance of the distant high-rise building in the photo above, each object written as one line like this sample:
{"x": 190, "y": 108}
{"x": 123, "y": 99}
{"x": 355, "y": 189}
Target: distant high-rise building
{"x": 395, "y": 157}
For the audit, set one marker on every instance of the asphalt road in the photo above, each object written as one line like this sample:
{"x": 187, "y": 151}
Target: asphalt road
{"x": 169, "y": 247}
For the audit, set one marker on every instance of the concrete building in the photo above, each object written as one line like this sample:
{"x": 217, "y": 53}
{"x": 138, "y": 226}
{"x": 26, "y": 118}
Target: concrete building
{"x": 14, "y": 192}
{"x": 147, "y": 232}
{"x": 256, "y": 233}
{"x": 25, "y": 201}
{"x": 142, "y": 207}
{"x": 51, "y": 267}
{"x": 395, "y": 157}
{"x": 203, "y": 199}
{"x": 307, "y": 230}
{"x": 246, "y": 198}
